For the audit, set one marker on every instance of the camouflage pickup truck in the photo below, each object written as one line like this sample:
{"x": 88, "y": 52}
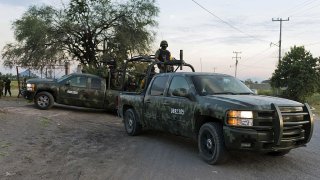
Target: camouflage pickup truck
{"x": 219, "y": 112}
{"x": 82, "y": 90}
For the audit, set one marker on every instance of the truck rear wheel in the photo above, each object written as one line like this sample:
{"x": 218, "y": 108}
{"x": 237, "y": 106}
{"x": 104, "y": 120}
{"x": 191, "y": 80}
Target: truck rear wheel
{"x": 44, "y": 100}
{"x": 211, "y": 143}
{"x": 131, "y": 123}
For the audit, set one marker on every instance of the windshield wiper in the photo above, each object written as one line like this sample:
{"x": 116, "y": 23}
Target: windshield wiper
{"x": 225, "y": 93}
{"x": 245, "y": 93}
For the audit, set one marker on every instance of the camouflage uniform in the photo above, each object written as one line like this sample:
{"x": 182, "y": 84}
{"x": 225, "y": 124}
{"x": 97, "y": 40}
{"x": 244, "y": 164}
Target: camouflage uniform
{"x": 7, "y": 86}
{"x": 1, "y": 86}
{"x": 163, "y": 55}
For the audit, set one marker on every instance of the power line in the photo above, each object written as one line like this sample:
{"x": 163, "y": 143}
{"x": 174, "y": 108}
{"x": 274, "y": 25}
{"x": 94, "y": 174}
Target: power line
{"x": 297, "y": 7}
{"x": 270, "y": 55}
{"x": 249, "y": 66}
{"x": 312, "y": 44}
{"x": 230, "y": 25}
{"x": 305, "y": 11}
{"x": 259, "y": 53}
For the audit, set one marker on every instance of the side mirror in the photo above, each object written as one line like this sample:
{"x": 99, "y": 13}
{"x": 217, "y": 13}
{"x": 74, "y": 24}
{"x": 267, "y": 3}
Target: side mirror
{"x": 67, "y": 83}
{"x": 181, "y": 92}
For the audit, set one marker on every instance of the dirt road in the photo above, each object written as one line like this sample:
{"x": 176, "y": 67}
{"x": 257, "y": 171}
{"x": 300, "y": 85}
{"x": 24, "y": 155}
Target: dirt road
{"x": 75, "y": 143}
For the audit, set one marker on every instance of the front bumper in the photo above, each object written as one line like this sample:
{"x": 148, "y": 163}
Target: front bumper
{"x": 281, "y": 131}
{"x": 27, "y": 94}
{"x": 250, "y": 139}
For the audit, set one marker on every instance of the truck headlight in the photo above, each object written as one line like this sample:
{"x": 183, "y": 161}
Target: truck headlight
{"x": 30, "y": 87}
{"x": 240, "y": 118}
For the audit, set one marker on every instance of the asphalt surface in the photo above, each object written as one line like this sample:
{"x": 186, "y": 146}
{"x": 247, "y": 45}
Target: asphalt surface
{"x": 76, "y": 143}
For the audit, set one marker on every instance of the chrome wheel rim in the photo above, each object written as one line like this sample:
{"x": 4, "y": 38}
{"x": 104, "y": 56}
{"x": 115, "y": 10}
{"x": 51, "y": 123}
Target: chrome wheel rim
{"x": 129, "y": 122}
{"x": 43, "y": 101}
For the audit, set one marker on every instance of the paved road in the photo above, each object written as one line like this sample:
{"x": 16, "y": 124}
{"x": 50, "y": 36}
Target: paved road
{"x": 73, "y": 143}
{"x": 160, "y": 156}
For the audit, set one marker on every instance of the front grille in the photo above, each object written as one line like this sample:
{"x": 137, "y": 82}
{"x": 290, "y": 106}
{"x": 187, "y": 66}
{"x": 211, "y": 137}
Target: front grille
{"x": 294, "y": 122}
{"x": 288, "y": 123}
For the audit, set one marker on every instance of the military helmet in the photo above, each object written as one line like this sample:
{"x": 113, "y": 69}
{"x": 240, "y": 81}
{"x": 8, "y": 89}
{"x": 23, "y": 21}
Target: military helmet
{"x": 164, "y": 43}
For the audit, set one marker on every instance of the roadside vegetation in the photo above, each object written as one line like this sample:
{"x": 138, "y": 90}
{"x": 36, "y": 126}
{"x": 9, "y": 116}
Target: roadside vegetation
{"x": 314, "y": 102}
{"x": 297, "y": 75}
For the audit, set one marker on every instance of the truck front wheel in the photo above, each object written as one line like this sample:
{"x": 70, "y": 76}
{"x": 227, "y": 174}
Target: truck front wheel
{"x": 131, "y": 123}
{"x": 211, "y": 143}
{"x": 44, "y": 100}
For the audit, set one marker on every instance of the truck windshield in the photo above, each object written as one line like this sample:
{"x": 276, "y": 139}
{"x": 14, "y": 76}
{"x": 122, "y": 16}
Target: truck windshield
{"x": 219, "y": 84}
{"x": 64, "y": 77}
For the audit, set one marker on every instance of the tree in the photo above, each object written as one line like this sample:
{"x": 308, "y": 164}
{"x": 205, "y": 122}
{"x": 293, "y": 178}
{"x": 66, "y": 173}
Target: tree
{"x": 248, "y": 81}
{"x": 35, "y": 44}
{"x": 89, "y": 31}
{"x": 266, "y": 81}
{"x": 297, "y": 73}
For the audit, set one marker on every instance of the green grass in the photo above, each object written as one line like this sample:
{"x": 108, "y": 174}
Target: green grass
{"x": 314, "y": 101}
{"x": 45, "y": 121}
{"x": 4, "y": 145}
{"x": 266, "y": 92}
{"x": 3, "y": 153}
{"x": 14, "y": 84}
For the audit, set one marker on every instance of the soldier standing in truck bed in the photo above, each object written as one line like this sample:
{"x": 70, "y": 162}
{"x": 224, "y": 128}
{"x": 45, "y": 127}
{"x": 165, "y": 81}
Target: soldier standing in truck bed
{"x": 163, "y": 55}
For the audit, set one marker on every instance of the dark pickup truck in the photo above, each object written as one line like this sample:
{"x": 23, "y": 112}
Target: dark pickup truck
{"x": 82, "y": 90}
{"x": 218, "y": 111}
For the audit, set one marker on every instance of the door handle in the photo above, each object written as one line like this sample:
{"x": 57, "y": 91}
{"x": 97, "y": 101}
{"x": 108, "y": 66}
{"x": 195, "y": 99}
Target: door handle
{"x": 148, "y": 101}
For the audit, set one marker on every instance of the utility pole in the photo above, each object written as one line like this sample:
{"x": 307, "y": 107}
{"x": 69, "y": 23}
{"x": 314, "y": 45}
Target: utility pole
{"x": 214, "y": 69}
{"x": 237, "y": 57}
{"x": 201, "y": 64}
{"x": 280, "y": 20}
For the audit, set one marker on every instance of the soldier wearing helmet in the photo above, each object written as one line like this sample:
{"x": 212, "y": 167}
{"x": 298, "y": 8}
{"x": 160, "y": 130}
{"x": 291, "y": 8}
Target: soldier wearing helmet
{"x": 163, "y": 55}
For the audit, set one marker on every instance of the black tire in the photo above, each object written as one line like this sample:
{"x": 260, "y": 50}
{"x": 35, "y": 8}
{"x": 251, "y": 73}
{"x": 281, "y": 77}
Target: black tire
{"x": 279, "y": 153}
{"x": 211, "y": 143}
{"x": 44, "y": 100}
{"x": 131, "y": 122}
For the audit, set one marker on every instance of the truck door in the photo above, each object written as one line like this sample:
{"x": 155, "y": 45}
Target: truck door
{"x": 95, "y": 94}
{"x": 153, "y": 103}
{"x": 178, "y": 111}
{"x": 73, "y": 91}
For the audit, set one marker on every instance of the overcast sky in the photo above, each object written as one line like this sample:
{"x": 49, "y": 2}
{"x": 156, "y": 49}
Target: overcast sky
{"x": 210, "y": 38}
